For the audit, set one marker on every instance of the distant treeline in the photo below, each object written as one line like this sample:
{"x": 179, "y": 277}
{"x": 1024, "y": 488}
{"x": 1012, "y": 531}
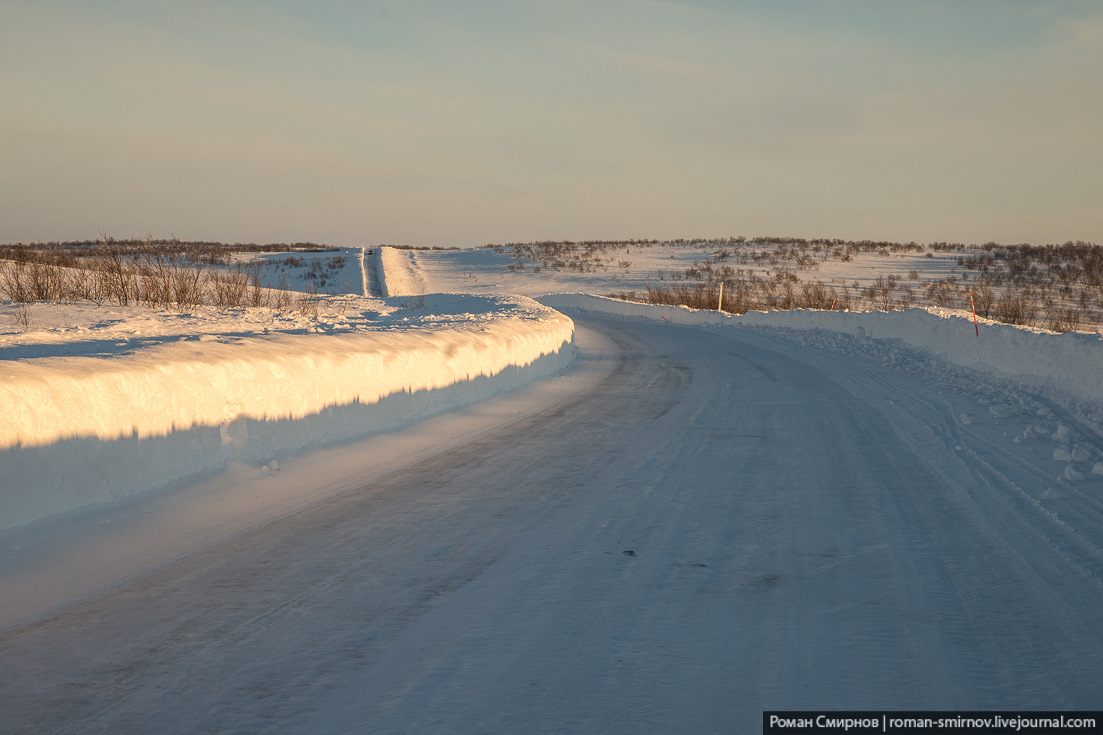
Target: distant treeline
{"x": 199, "y": 252}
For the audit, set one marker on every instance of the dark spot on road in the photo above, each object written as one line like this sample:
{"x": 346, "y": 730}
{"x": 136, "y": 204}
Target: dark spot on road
{"x": 765, "y": 582}
{"x": 628, "y": 552}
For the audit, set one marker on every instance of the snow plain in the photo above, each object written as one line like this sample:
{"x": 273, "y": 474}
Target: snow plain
{"x": 630, "y": 267}
{"x": 689, "y": 525}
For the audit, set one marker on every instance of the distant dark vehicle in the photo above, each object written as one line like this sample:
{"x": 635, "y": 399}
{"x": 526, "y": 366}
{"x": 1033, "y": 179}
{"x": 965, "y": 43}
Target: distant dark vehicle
{"x": 371, "y": 252}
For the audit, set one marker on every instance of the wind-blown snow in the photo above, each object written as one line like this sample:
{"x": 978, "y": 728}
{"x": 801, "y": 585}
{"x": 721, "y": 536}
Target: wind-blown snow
{"x": 94, "y": 415}
{"x": 1067, "y": 363}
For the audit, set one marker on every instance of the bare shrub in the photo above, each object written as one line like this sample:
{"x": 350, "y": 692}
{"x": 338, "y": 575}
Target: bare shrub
{"x": 740, "y": 296}
{"x": 46, "y": 282}
{"x": 1065, "y": 319}
{"x": 413, "y": 302}
{"x": 228, "y": 289}
{"x": 13, "y": 281}
{"x": 187, "y": 285}
{"x": 880, "y": 294}
{"x": 307, "y": 303}
{"x": 983, "y": 298}
{"x": 697, "y": 296}
{"x": 942, "y": 292}
{"x": 281, "y": 300}
{"x": 23, "y": 315}
{"x": 32, "y": 280}
{"x": 155, "y": 277}
{"x": 117, "y": 279}
{"x": 815, "y": 295}
{"x": 80, "y": 284}
{"x": 1015, "y": 306}
{"x": 258, "y": 295}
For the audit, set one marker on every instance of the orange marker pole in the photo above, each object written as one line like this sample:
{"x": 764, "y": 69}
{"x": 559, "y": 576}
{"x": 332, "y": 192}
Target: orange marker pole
{"x": 975, "y": 327}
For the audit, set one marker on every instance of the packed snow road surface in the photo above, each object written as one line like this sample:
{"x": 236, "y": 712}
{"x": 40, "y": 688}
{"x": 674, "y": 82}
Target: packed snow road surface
{"x": 723, "y": 522}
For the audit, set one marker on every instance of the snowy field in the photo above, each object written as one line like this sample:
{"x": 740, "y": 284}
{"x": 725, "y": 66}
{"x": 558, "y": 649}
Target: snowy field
{"x": 629, "y": 267}
{"x": 697, "y": 518}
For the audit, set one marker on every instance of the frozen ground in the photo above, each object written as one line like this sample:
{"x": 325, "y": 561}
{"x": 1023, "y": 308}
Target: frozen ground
{"x": 690, "y": 525}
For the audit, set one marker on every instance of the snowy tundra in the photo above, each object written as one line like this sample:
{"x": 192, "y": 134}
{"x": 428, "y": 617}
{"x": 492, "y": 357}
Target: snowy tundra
{"x": 697, "y": 518}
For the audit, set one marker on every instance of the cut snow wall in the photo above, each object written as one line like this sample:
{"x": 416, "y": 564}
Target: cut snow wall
{"x": 78, "y": 431}
{"x": 1070, "y": 363}
{"x": 399, "y": 272}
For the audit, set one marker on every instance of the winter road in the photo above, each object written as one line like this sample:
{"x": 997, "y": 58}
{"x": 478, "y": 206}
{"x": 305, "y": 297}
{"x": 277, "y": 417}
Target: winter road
{"x": 720, "y": 523}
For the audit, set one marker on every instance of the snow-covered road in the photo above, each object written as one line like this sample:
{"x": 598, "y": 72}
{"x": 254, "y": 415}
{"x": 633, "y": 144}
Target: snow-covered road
{"x": 723, "y": 522}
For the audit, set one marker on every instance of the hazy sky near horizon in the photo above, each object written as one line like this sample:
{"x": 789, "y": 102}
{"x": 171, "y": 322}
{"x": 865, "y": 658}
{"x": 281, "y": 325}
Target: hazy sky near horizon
{"x": 464, "y": 123}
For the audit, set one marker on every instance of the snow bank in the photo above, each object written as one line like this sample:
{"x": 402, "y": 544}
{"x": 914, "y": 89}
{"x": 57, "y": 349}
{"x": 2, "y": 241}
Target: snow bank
{"x": 1070, "y": 363}
{"x": 89, "y": 420}
{"x": 400, "y": 273}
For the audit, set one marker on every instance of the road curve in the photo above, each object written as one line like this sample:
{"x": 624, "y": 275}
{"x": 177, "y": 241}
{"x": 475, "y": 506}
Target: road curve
{"x": 723, "y": 523}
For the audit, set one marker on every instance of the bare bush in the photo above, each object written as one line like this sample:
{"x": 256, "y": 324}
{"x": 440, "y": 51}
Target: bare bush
{"x": 23, "y": 315}
{"x": 13, "y": 281}
{"x": 880, "y": 294}
{"x": 1065, "y": 319}
{"x": 1015, "y": 306}
{"x": 187, "y": 286}
{"x": 942, "y": 292}
{"x": 307, "y": 303}
{"x": 281, "y": 299}
{"x": 815, "y": 295}
{"x": 46, "y": 281}
{"x": 228, "y": 289}
{"x": 117, "y": 278}
{"x": 983, "y": 298}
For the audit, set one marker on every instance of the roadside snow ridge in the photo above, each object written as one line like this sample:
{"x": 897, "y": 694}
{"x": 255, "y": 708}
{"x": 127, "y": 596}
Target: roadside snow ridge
{"x": 76, "y": 430}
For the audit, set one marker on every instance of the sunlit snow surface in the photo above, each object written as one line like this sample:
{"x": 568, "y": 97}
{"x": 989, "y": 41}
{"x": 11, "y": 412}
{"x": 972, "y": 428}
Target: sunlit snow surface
{"x": 85, "y": 388}
{"x": 97, "y": 403}
{"x": 1067, "y": 365}
{"x": 700, "y": 517}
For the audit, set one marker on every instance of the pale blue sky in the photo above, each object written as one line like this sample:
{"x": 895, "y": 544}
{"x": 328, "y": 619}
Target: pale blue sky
{"x": 462, "y": 123}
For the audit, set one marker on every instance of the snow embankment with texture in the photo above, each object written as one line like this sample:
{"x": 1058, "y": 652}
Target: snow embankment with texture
{"x": 128, "y": 402}
{"x": 1070, "y": 364}
{"x": 400, "y": 272}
